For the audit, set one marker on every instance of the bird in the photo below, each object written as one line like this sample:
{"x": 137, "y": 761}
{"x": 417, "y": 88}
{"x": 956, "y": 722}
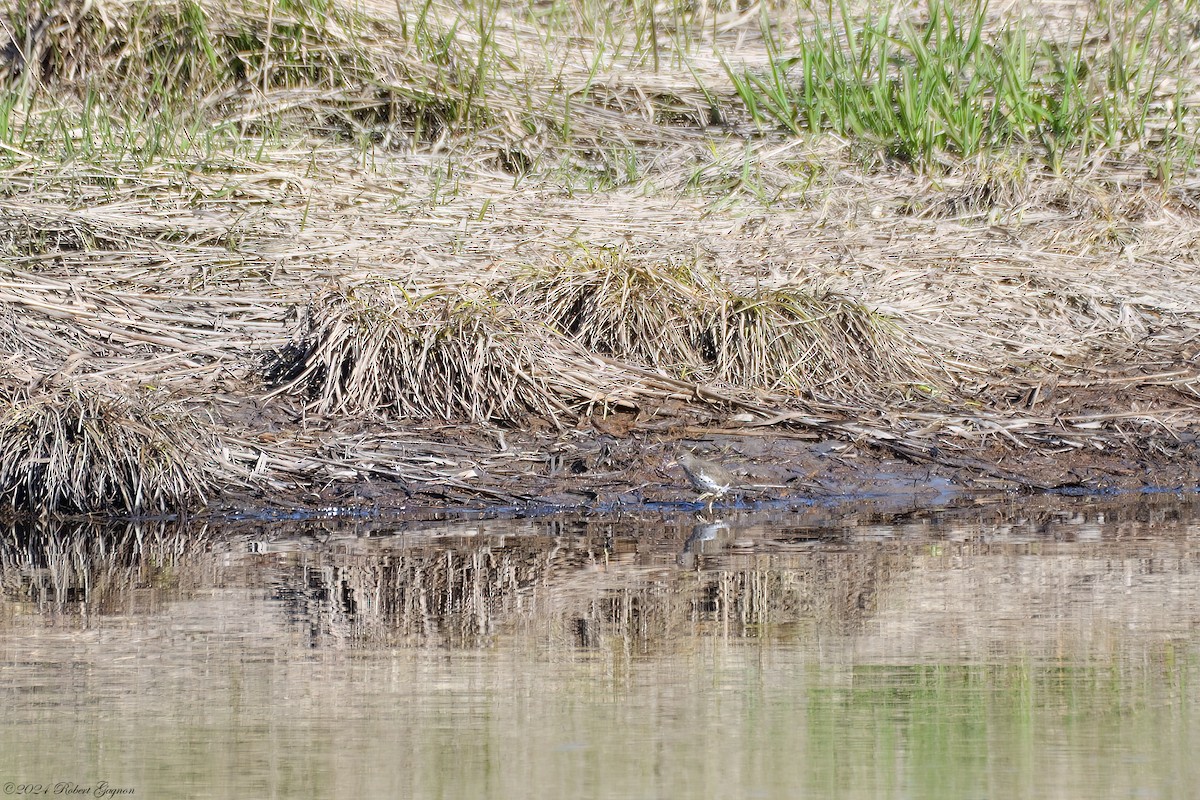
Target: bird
{"x": 708, "y": 477}
{"x": 707, "y": 538}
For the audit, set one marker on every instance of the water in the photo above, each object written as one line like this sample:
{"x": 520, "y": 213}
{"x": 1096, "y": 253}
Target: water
{"x": 1029, "y": 648}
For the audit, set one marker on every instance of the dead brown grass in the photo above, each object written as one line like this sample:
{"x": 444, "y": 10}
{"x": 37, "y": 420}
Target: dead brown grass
{"x": 727, "y": 274}
{"x": 77, "y": 449}
{"x": 653, "y": 314}
{"x": 342, "y": 72}
{"x": 377, "y": 350}
{"x": 830, "y": 346}
{"x": 690, "y": 324}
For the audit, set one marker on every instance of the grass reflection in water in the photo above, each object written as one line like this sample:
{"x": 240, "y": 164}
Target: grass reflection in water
{"x": 1030, "y": 654}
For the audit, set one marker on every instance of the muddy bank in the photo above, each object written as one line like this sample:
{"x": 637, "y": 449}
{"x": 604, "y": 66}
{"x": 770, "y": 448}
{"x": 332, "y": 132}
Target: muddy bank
{"x": 315, "y": 287}
{"x": 125, "y": 396}
{"x": 621, "y": 464}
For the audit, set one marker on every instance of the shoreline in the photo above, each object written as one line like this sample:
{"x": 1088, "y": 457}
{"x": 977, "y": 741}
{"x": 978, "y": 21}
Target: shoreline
{"x": 401, "y": 290}
{"x": 839, "y": 478}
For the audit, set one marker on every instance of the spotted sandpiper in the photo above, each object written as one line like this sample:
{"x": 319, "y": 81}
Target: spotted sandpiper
{"x": 708, "y": 477}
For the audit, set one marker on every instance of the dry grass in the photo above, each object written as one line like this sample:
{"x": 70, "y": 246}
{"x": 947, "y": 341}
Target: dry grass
{"x": 77, "y": 449}
{"x": 692, "y": 325}
{"x": 246, "y": 62}
{"x": 379, "y": 351}
{"x": 163, "y": 234}
{"x": 649, "y": 313}
{"x": 830, "y": 346}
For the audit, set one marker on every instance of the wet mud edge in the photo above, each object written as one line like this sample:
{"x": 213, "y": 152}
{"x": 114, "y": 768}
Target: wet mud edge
{"x": 607, "y": 470}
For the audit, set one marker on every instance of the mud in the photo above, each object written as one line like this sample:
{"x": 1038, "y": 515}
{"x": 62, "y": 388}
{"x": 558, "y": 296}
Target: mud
{"x": 620, "y": 463}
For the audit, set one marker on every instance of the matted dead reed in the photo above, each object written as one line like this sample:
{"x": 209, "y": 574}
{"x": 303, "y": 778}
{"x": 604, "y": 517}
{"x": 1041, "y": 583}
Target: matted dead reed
{"x": 647, "y": 312}
{"x": 22, "y": 236}
{"x": 789, "y": 339}
{"x": 78, "y": 449}
{"x": 378, "y": 350}
{"x": 349, "y": 72}
{"x": 165, "y": 266}
{"x": 692, "y": 325}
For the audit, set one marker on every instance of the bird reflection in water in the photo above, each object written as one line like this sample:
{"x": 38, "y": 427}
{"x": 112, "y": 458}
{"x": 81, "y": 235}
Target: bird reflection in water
{"x": 708, "y": 538}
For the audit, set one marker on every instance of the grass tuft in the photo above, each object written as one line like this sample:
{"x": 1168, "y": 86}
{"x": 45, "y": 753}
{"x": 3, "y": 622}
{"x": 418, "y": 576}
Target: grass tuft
{"x": 435, "y": 357}
{"x": 693, "y": 326}
{"x": 789, "y": 340}
{"x": 75, "y": 449}
{"x": 647, "y": 313}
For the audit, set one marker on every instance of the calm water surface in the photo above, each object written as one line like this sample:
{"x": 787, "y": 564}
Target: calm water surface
{"x": 1022, "y": 649}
